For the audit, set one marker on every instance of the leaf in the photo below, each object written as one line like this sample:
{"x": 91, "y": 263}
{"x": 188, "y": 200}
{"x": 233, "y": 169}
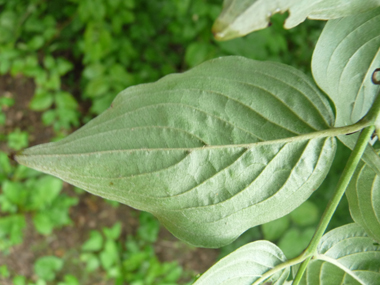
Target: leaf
{"x": 363, "y": 194}
{"x": 275, "y": 229}
{"x": 242, "y": 17}
{"x": 43, "y": 223}
{"x": 211, "y": 152}
{"x": 246, "y": 265}
{"x": 346, "y": 55}
{"x": 294, "y": 241}
{"x": 346, "y": 255}
{"x": 46, "y": 190}
{"x": 305, "y": 215}
{"x": 370, "y": 156}
{"x": 46, "y": 267}
{"x": 94, "y": 243}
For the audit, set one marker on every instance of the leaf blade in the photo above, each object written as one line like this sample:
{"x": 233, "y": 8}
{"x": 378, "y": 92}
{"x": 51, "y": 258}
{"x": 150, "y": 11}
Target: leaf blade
{"x": 240, "y": 18}
{"x": 344, "y": 59}
{"x": 246, "y": 265}
{"x": 363, "y": 195}
{"x": 346, "y": 255}
{"x": 201, "y": 155}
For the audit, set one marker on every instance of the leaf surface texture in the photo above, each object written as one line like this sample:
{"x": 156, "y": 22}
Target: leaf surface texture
{"x": 346, "y": 255}
{"x": 241, "y": 17}
{"x": 245, "y": 265}
{"x": 210, "y": 152}
{"x": 346, "y": 55}
{"x": 363, "y": 195}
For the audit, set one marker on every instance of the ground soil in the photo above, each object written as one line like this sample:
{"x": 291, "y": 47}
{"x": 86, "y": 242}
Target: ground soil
{"x": 91, "y": 212}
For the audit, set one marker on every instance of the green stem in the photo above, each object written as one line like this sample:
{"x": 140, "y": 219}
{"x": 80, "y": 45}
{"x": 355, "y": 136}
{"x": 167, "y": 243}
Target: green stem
{"x": 348, "y": 171}
{"x": 279, "y": 267}
{"x": 372, "y": 122}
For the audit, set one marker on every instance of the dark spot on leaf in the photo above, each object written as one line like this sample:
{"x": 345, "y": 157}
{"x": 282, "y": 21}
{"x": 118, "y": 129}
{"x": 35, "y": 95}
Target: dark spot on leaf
{"x": 376, "y": 76}
{"x": 111, "y": 183}
{"x": 376, "y": 243}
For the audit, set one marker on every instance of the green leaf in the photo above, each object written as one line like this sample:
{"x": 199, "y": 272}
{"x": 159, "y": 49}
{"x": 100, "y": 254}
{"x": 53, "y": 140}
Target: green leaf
{"x": 94, "y": 243}
{"x": 63, "y": 66}
{"x": 46, "y": 190}
{"x": 92, "y": 262}
{"x": 363, "y": 194}
{"x": 211, "y": 152}
{"x": 43, "y": 223}
{"x": 242, "y": 17}
{"x": 11, "y": 230}
{"x": 110, "y": 255}
{"x": 46, "y": 267}
{"x": 294, "y": 241}
{"x": 65, "y": 100}
{"x": 346, "y": 55}
{"x": 370, "y": 157}
{"x": 149, "y": 228}
{"x": 197, "y": 52}
{"x": 5, "y": 165}
{"x": 113, "y": 233}
{"x": 19, "y": 280}
{"x": 69, "y": 280}
{"x": 246, "y": 265}
{"x": 346, "y": 255}
{"x": 18, "y": 139}
{"x": 41, "y": 100}
{"x": 306, "y": 214}
{"x": 4, "y": 272}
{"x": 15, "y": 192}
{"x": 275, "y": 229}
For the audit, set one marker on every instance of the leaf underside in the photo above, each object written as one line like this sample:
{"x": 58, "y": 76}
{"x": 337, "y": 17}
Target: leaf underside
{"x": 363, "y": 196}
{"x": 210, "y": 152}
{"x": 346, "y": 255}
{"x": 245, "y": 265}
{"x": 346, "y": 55}
{"x": 242, "y": 17}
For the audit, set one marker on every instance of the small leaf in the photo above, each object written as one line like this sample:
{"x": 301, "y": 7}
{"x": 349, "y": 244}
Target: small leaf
{"x": 246, "y": 265}
{"x": 109, "y": 256}
{"x": 242, "y": 17}
{"x": 275, "y": 229}
{"x": 346, "y": 55}
{"x": 46, "y": 267}
{"x": 15, "y": 192}
{"x": 41, "y": 100}
{"x": 43, "y": 223}
{"x": 114, "y": 232}
{"x": 47, "y": 188}
{"x": 92, "y": 262}
{"x": 370, "y": 157}
{"x": 18, "y": 139}
{"x": 196, "y": 53}
{"x": 363, "y": 194}
{"x": 306, "y": 214}
{"x": 294, "y": 241}
{"x": 94, "y": 243}
{"x": 346, "y": 255}
{"x": 211, "y": 152}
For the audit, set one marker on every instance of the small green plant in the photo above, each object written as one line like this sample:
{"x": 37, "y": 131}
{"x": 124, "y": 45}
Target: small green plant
{"x": 132, "y": 260}
{"x": 235, "y": 143}
{"x": 46, "y": 269}
{"x": 27, "y": 191}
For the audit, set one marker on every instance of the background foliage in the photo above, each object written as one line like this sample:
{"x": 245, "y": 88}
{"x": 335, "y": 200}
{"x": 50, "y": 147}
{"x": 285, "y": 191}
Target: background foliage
{"x": 79, "y": 55}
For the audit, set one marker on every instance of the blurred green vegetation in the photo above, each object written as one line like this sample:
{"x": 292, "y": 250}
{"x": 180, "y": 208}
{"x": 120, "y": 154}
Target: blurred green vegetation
{"x": 80, "y": 54}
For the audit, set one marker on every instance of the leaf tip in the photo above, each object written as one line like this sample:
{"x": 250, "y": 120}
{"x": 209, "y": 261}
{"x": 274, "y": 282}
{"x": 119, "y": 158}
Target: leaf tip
{"x": 222, "y": 31}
